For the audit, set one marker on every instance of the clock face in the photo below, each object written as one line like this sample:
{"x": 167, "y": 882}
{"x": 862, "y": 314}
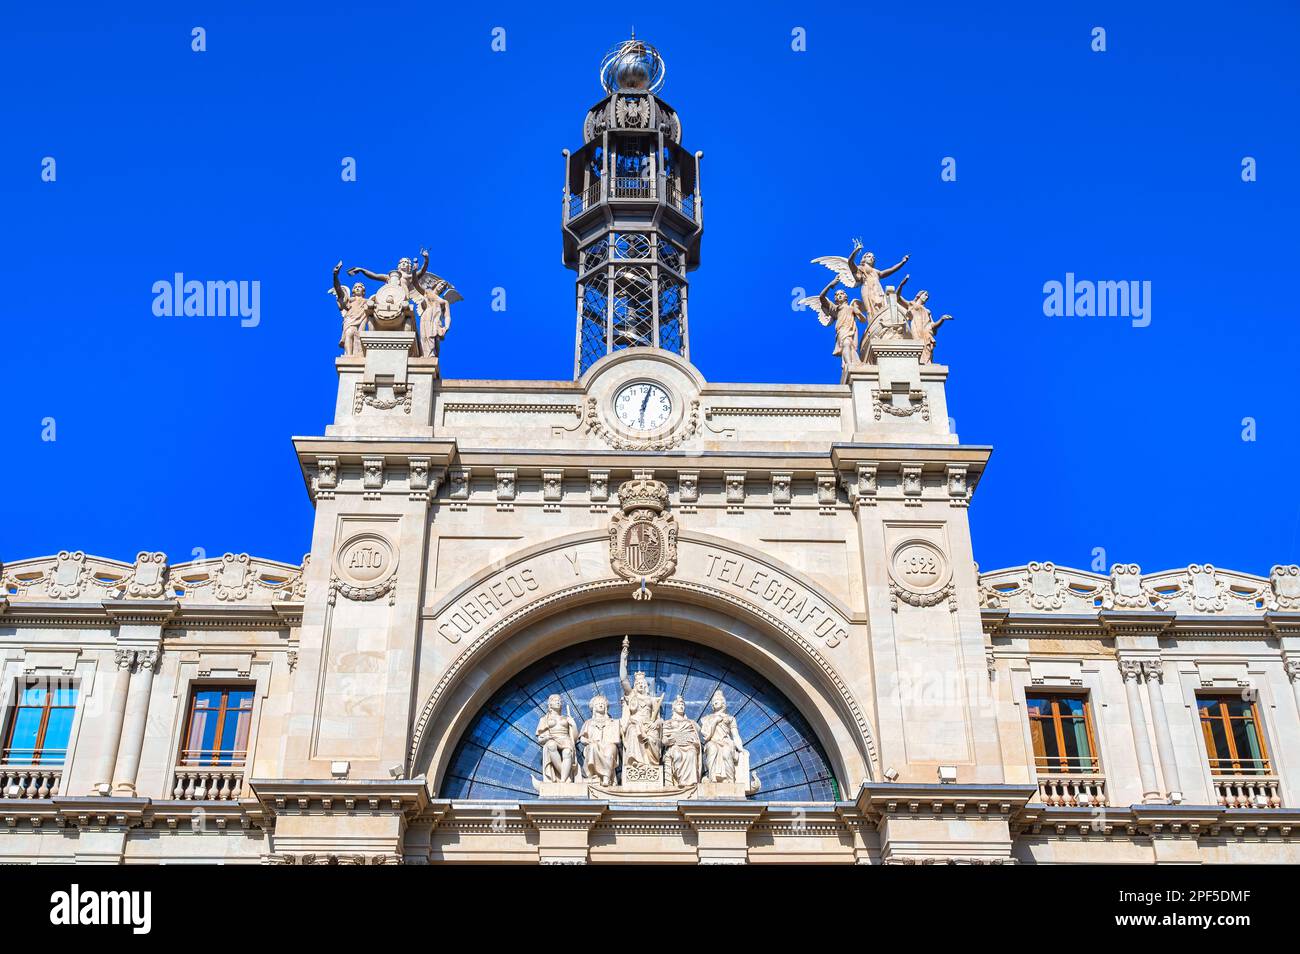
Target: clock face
{"x": 643, "y": 406}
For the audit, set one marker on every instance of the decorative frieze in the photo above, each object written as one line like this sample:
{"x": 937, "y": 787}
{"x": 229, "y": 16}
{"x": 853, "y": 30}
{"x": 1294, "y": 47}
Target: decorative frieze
{"x": 1285, "y": 581}
{"x": 958, "y": 489}
{"x": 912, "y": 484}
{"x": 552, "y": 490}
{"x": 506, "y": 488}
{"x": 598, "y": 489}
{"x": 913, "y": 402}
{"x": 460, "y": 486}
{"x": 69, "y": 577}
{"x": 827, "y": 491}
{"x": 418, "y": 477}
{"x": 735, "y": 489}
{"x": 372, "y": 477}
{"x": 327, "y": 478}
{"x": 865, "y": 486}
{"x": 782, "y": 491}
{"x": 148, "y": 576}
{"x": 688, "y": 490}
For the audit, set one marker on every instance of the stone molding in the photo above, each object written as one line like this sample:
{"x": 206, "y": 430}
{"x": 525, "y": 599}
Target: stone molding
{"x": 1197, "y": 590}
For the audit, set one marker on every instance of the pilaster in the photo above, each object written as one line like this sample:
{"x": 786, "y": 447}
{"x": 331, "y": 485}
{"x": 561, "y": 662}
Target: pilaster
{"x": 373, "y": 479}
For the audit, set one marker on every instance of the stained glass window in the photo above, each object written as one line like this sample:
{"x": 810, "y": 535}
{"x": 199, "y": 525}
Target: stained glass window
{"x": 498, "y": 756}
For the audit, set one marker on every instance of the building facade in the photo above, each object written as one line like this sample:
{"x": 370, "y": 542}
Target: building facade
{"x": 640, "y": 616}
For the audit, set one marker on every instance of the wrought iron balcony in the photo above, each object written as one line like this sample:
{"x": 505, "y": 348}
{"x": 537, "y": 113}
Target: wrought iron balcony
{"x": 632, "y": 187}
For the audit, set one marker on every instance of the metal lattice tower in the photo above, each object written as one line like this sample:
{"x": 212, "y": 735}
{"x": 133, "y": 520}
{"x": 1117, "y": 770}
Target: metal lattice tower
{"x": 632, "y": 214}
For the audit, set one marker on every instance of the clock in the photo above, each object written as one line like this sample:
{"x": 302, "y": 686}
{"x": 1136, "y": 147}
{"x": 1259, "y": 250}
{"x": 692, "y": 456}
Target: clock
{"x": 642, "y": 406}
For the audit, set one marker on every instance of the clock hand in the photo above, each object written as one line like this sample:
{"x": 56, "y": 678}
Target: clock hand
{"x": 644, "y": 402}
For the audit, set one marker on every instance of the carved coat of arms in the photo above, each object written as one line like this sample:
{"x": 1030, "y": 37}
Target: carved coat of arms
{"x": 643, "y": 537}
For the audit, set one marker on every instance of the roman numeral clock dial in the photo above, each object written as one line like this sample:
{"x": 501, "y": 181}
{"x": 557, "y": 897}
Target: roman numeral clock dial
{"x": 642, "y": 407}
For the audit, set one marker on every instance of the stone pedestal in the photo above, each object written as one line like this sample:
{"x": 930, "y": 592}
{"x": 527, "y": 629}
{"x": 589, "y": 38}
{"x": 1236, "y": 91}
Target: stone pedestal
{"x": 943, "y": 824}
{"x": 386, "y": 391}
{"x": 340, "y": 822}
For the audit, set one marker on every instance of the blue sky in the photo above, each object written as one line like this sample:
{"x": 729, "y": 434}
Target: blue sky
{"x": 173, "y": 433}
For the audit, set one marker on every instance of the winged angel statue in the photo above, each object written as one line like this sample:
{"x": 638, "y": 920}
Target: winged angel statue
{"x": 407, "y": 299}
{"x": 854, "y": 273}
{"x": 844, "y": 315}
{"x": 871, "y": 309}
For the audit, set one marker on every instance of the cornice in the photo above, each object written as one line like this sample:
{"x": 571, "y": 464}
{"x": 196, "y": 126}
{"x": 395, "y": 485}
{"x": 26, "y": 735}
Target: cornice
{"x": 1158, "y": 821}
{"x": 1110, "y": 624}
{"x": 846, "y": 456}
{"x": 301, "y": 796}
{"x": 879, "y": 800}
{"x": 143, "y": 612}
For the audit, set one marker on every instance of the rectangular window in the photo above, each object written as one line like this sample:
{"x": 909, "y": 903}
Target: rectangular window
{"x": 216, "y": 732}
{"x": 1061, "y": 727}
{"x": 1233, "y": 741}
{"x": 40, "y": 723}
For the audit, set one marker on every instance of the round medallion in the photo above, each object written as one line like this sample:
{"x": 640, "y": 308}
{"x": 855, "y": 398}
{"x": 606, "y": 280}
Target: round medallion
{"x": 919, "y": 566}
{"x": 642, "y": 406}
{"x": 365, "y": 560}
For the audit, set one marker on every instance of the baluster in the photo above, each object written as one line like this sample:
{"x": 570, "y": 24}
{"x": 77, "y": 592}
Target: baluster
{"x": 43, "y": 789}
{"x": 31, "y": 784}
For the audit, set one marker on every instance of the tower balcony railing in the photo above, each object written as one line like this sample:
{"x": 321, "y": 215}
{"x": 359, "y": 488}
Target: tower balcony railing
{"x": 580, "y": 202}
{"x": 685, "y": 204}
{"x": 632, "y": 187}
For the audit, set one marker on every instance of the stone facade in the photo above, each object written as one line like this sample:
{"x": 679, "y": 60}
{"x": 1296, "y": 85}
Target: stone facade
{"x": 819, "y": 535}
{"x": 823, "y": 546}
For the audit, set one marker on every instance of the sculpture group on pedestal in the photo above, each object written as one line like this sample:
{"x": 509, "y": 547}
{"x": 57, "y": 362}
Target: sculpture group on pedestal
{"x": 409, "y": 300}
{"x": 673, "y": 756}
{"x": 886, "y": 313}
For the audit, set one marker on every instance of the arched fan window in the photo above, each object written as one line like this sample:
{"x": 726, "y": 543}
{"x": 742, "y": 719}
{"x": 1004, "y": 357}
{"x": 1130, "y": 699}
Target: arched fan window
{"x": 498, "y": 756}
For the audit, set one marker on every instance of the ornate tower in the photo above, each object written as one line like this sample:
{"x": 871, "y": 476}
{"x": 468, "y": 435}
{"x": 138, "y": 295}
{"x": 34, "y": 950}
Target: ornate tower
{"x": 632, "y": 215}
